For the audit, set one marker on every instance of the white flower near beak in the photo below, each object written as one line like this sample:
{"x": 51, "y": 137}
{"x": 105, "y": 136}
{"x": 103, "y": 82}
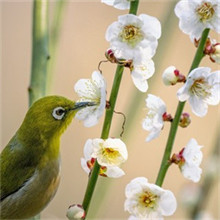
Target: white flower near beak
{"x": 92, "y": 90}
{"x": 148, "y": 201}
{"x": 202, "y": 88}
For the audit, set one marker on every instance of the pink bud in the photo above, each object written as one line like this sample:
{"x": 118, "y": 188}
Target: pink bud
{"x": 184, "y": 120}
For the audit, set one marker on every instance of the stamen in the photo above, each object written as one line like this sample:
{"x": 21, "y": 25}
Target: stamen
{"x": 205, "y": 11}
{"x": 131, "y": 35}
{"x": 148, "y": 199}
{"x": 201, "y": 88}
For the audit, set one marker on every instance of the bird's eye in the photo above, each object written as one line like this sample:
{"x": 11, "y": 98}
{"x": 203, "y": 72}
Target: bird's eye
{"x": 58, "y": 113}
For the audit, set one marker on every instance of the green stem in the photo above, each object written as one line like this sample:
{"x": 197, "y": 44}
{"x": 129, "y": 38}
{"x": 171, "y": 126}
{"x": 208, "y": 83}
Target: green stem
{"x": 112, "y": 101}
{"x": 40, "y": 54}
{"x": 134, "y": 7}
{"x": 107, "y": 123}
{"x": 173, "y": 130}
{"x": 105, "y": 133}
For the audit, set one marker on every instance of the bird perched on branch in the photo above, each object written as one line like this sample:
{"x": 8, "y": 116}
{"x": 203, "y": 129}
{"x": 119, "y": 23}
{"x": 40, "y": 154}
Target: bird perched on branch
{"x": 30, "y": 162}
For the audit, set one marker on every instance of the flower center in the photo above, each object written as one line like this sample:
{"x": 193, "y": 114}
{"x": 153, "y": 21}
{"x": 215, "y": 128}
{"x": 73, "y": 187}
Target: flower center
{"x": 131, "y": 35}
{"x": 110, "y": 153}
{"x": 205, "y": 11}
{"x": 148, "y": 199}
{"x": 201, "y": 88}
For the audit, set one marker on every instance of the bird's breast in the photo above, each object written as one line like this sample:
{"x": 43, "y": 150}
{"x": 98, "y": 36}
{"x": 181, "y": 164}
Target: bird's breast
{"x": 38, "y": 191}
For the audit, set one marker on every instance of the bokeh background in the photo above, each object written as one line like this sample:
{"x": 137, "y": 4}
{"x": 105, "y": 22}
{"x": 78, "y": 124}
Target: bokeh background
{"x": 81, "y": 47}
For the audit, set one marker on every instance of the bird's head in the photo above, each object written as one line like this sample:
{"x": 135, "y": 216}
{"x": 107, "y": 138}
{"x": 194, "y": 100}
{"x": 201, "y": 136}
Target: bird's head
{"x": 50, "y": 116}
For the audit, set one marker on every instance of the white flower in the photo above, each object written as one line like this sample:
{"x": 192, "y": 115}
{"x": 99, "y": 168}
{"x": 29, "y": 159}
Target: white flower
{"x": 202, "y": 88}
{"x": 197, "y": 15}
{"x": 192, "y": 156}
{"x": 148, "y": 201}
{"x": 154, "y": 120}
{"x": 141, "y": 70}
{"x": 75, "y": 212}
{"x": 110, "y": 153}
{"x": 119, "y": 4}
{"x": 93, "y": 90}
{"x": 169, "y": 77}
{"x": 131, "y": 32}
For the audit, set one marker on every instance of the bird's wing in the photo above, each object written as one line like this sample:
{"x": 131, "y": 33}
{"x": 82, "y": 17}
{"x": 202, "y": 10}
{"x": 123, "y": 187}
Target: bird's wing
{"x": 16, "y": 168}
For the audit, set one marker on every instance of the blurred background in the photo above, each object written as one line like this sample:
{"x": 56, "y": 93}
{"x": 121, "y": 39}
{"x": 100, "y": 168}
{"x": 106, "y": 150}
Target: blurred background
{"x": 80, "y": 48}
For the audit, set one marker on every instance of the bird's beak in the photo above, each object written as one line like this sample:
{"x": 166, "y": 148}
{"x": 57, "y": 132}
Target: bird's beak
{"x": 80, "y": 105}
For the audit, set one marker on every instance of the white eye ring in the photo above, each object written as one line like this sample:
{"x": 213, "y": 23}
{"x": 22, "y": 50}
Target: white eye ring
{"x": 58, "y": 113}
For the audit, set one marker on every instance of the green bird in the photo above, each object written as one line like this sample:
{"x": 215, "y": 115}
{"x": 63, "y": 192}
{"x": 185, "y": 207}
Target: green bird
{"x": 30, "y": 162}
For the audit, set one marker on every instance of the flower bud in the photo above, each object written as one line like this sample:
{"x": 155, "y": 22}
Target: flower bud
{"x": 109, "y": 54}
{"x": 184, "y": 120}
{"x": 171, "y": 76}
{"x": 167, "y": 117}
{"x": 215, "y": 56}
{"x": 75, "y": 211}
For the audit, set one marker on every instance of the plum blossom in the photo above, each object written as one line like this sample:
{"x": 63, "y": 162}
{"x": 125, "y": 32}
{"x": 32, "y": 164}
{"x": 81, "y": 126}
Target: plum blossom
{"x": 141, "y": 70}
{"x": 192, "y": 159}
{"x": 119, "y": 4}
{"x": 93, "y": 90}
{"x": 109, "y": 153}
{"x": 145, "y": 200}
{"x": 154, "y": 121}
{"x": 189, "y": 160}
{"x": 131, "y": 33}
{"x": 197, "y": 15}
{"x": 202, "y": 88}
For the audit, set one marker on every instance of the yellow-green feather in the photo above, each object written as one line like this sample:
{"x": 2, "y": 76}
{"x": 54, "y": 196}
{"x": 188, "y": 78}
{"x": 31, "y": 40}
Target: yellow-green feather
{"x": 35, "y": 143}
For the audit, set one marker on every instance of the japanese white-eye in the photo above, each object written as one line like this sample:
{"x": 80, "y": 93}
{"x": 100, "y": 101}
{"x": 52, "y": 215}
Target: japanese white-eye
{"x": 30, "y": 162}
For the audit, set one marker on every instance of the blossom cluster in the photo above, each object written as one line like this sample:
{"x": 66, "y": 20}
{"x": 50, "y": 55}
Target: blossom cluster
{"x": 133, "y": 41}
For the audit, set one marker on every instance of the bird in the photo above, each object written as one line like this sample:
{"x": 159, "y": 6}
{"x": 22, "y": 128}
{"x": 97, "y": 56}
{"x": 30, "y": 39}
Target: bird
{"x": 30, "y": 162}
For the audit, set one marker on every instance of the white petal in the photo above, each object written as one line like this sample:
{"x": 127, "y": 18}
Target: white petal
{"x": 192, "y": 153}
{"x": 214, "y": 80}
{"x": 135, "y": 186}
{"x": 167, "y": 203}
{"x": 140, "y": 83}
{"x": 88, "y": 149}
{"x": 119, "y": 145}
{"x": 183, "y": 93}
{"x": 114, "y": 172}
{"x": 155, "y": 103}
{"x": 153, "y": 134}
{"x": 82, "y": 87}
{"x": 191, "y": 172}
{"x": 84, "y": 165}
{"x": 199, "y": 107}
{"x": 151, "y": 24}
